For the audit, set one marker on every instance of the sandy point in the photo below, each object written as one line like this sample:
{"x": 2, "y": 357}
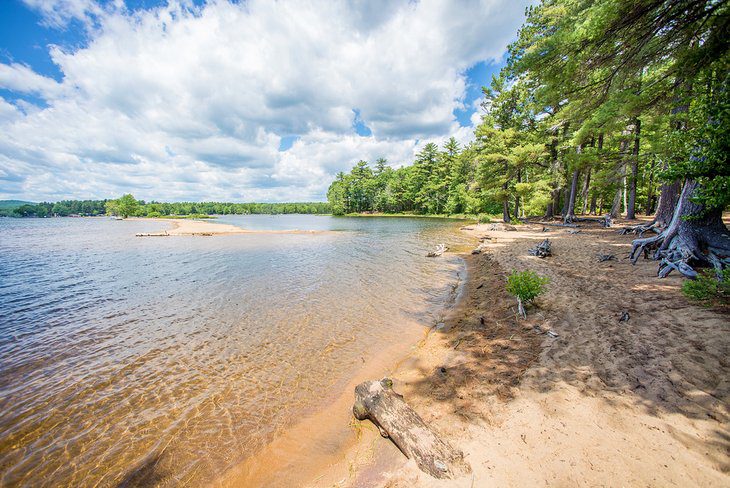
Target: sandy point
{"x": 188, "y": 227}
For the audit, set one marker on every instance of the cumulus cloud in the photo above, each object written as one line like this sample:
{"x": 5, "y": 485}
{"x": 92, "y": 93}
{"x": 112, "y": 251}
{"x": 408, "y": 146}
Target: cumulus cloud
{"x": 184, "y": 102}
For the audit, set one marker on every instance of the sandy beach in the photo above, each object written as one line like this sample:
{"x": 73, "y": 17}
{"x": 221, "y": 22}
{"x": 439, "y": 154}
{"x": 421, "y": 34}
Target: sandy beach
{"x": 189, "y": 227}
{"x": 606, "y": 403}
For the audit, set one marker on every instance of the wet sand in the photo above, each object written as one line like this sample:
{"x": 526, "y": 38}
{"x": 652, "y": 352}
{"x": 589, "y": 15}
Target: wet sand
{"x": 606, "y": 403}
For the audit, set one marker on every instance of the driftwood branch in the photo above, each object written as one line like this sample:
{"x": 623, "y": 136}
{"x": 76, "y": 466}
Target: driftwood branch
{"x": 440, "y": 249}
{"x": 376, "y": 401}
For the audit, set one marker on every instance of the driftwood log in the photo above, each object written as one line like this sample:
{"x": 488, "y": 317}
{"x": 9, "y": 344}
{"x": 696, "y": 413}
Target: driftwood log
{"x": 542, "y": 250}
{"x": 440, "y": 249}
{"x": 606, "y": 257}
{"x": 376, "y": 401}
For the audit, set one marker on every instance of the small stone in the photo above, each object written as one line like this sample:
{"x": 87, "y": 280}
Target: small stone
{"x": 440, "y": 465}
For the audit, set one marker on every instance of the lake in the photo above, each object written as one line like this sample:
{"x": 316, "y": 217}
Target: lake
{"x": 168, "y": 360}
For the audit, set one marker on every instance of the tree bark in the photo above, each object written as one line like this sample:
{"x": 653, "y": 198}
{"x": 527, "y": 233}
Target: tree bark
{"x": 667, "y": 202}
{"x": 566, "y": 200}
{"x": 570, "y": 213}
{"x": 650, "y": 191}
{"x": 621, "y": 171}
{"x": 517, "y": 197}
{"x": 616, "y": 207}
{"x": 549, "y": 212}
{"x": 376, "y": 401}
{"x": 695, "y": 236}
{"x": 631, "y": 208}
{"x": 505, "y": 203}
{"x": 586, "y": 186}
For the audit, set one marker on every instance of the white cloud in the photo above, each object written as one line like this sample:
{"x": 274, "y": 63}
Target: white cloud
{"x": 58, "y": 13}
{"x": 191, "y": 103}
{"x": 22, "y": 79}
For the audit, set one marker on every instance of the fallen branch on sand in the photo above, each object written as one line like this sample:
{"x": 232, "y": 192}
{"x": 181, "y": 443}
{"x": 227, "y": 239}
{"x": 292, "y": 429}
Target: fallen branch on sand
{"x": 542, "y": 250}
{"x": 606, "y": 257}
{"x": 640, "y": 229}
{"x": 440, "y": 249}
{"x": 376, "y": 401}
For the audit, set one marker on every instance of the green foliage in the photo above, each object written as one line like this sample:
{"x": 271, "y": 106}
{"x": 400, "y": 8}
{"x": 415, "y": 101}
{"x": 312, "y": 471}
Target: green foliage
{"x": 62, "y": 209}
{"x": 707, "y": 287}
{"x": 704, "y": 148}
{"x": 526, "y": 285}
{"x": 124, "y": 206}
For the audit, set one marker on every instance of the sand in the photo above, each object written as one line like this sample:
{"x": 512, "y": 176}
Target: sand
{"x": 188, "y": 227}
{"x": 606, "y": 403}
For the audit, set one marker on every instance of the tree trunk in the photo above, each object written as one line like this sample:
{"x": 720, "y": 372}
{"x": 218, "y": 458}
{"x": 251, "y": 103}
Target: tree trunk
{"x": 631, "y": 208}
{"x": 549, "y": 212}
{"x": 586, "y": 186}
{"x": 592, "y": 210}
{"x": 667, "y": 202}
{"x": 556, "y": 200}
{"x": 517, "y": 197}
{"x": 616, "y": 207}
{"x": 650, "y": 191}
{"x": 621, "y": 172}
{"x": 694, "y": 236}
{"x": 566, "y": 201}
{"x": 570, "y": 213}
{"x": 505, "y": 203}
{"x": 376, "y": 401}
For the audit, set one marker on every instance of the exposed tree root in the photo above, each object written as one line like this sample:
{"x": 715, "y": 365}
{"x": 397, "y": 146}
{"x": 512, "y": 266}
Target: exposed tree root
{"x": 640, "y": 229}
{"x": 693, "y": 238}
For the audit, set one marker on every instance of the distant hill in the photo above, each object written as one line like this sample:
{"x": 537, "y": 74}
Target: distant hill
{"x": 11, "y": 204}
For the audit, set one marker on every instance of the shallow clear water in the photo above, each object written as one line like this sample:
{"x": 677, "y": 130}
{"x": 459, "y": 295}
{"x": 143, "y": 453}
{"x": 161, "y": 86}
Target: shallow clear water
{"x": 168, "y": 360}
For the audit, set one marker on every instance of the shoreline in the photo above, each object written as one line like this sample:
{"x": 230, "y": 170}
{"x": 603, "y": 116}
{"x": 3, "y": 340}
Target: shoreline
{"x": 190, "y": 227}
{"x": 305, "y": 453}
{"x": 529, "y": 409}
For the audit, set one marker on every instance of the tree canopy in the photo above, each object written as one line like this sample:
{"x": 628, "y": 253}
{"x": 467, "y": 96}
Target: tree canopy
{"x": 613, "y": 106}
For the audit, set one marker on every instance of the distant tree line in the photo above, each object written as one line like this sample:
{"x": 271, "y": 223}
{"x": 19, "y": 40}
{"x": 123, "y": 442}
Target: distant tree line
{"x": 127, "y": 206}
{"x": 438, "y": 182}
{"x": 63, "y": 208}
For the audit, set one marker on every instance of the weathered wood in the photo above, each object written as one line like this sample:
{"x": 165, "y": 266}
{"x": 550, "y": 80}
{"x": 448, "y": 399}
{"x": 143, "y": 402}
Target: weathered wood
{"x": 606, "y": 257}
{"x": 542, "y": 250}
{"x": 440, "y": 249}
{"x": 640, "y": 229}
{"x": 377, "y": 402}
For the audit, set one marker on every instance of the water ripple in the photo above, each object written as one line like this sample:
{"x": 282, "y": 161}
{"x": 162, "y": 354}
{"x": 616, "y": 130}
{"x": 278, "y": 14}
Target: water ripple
{"x": 187, "y": 354}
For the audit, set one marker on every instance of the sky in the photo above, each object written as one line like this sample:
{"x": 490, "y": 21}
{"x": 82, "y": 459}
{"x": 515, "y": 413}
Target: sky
{"x": 258, "y": 100}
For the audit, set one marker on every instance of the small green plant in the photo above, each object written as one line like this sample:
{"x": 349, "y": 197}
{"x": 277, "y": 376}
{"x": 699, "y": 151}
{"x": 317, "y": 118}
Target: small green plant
{"x": 525, "y": 286}
{"x": 707, "y": 288}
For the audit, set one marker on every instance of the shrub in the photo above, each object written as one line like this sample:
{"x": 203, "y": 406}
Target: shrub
{"x": 707, "y": 287}
{"x": 526, "y": 286}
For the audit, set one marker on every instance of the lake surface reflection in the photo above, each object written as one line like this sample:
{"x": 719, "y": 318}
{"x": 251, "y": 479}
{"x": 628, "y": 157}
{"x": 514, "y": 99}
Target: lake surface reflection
{"x": 165, "y": 361}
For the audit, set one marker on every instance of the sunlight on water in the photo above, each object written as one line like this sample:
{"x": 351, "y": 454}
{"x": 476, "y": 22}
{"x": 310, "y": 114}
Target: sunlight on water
{"x": 168, "y": 360}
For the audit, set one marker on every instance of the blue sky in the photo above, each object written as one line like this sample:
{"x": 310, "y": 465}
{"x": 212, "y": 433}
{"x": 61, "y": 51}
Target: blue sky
{"x": 196, "y": 100}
